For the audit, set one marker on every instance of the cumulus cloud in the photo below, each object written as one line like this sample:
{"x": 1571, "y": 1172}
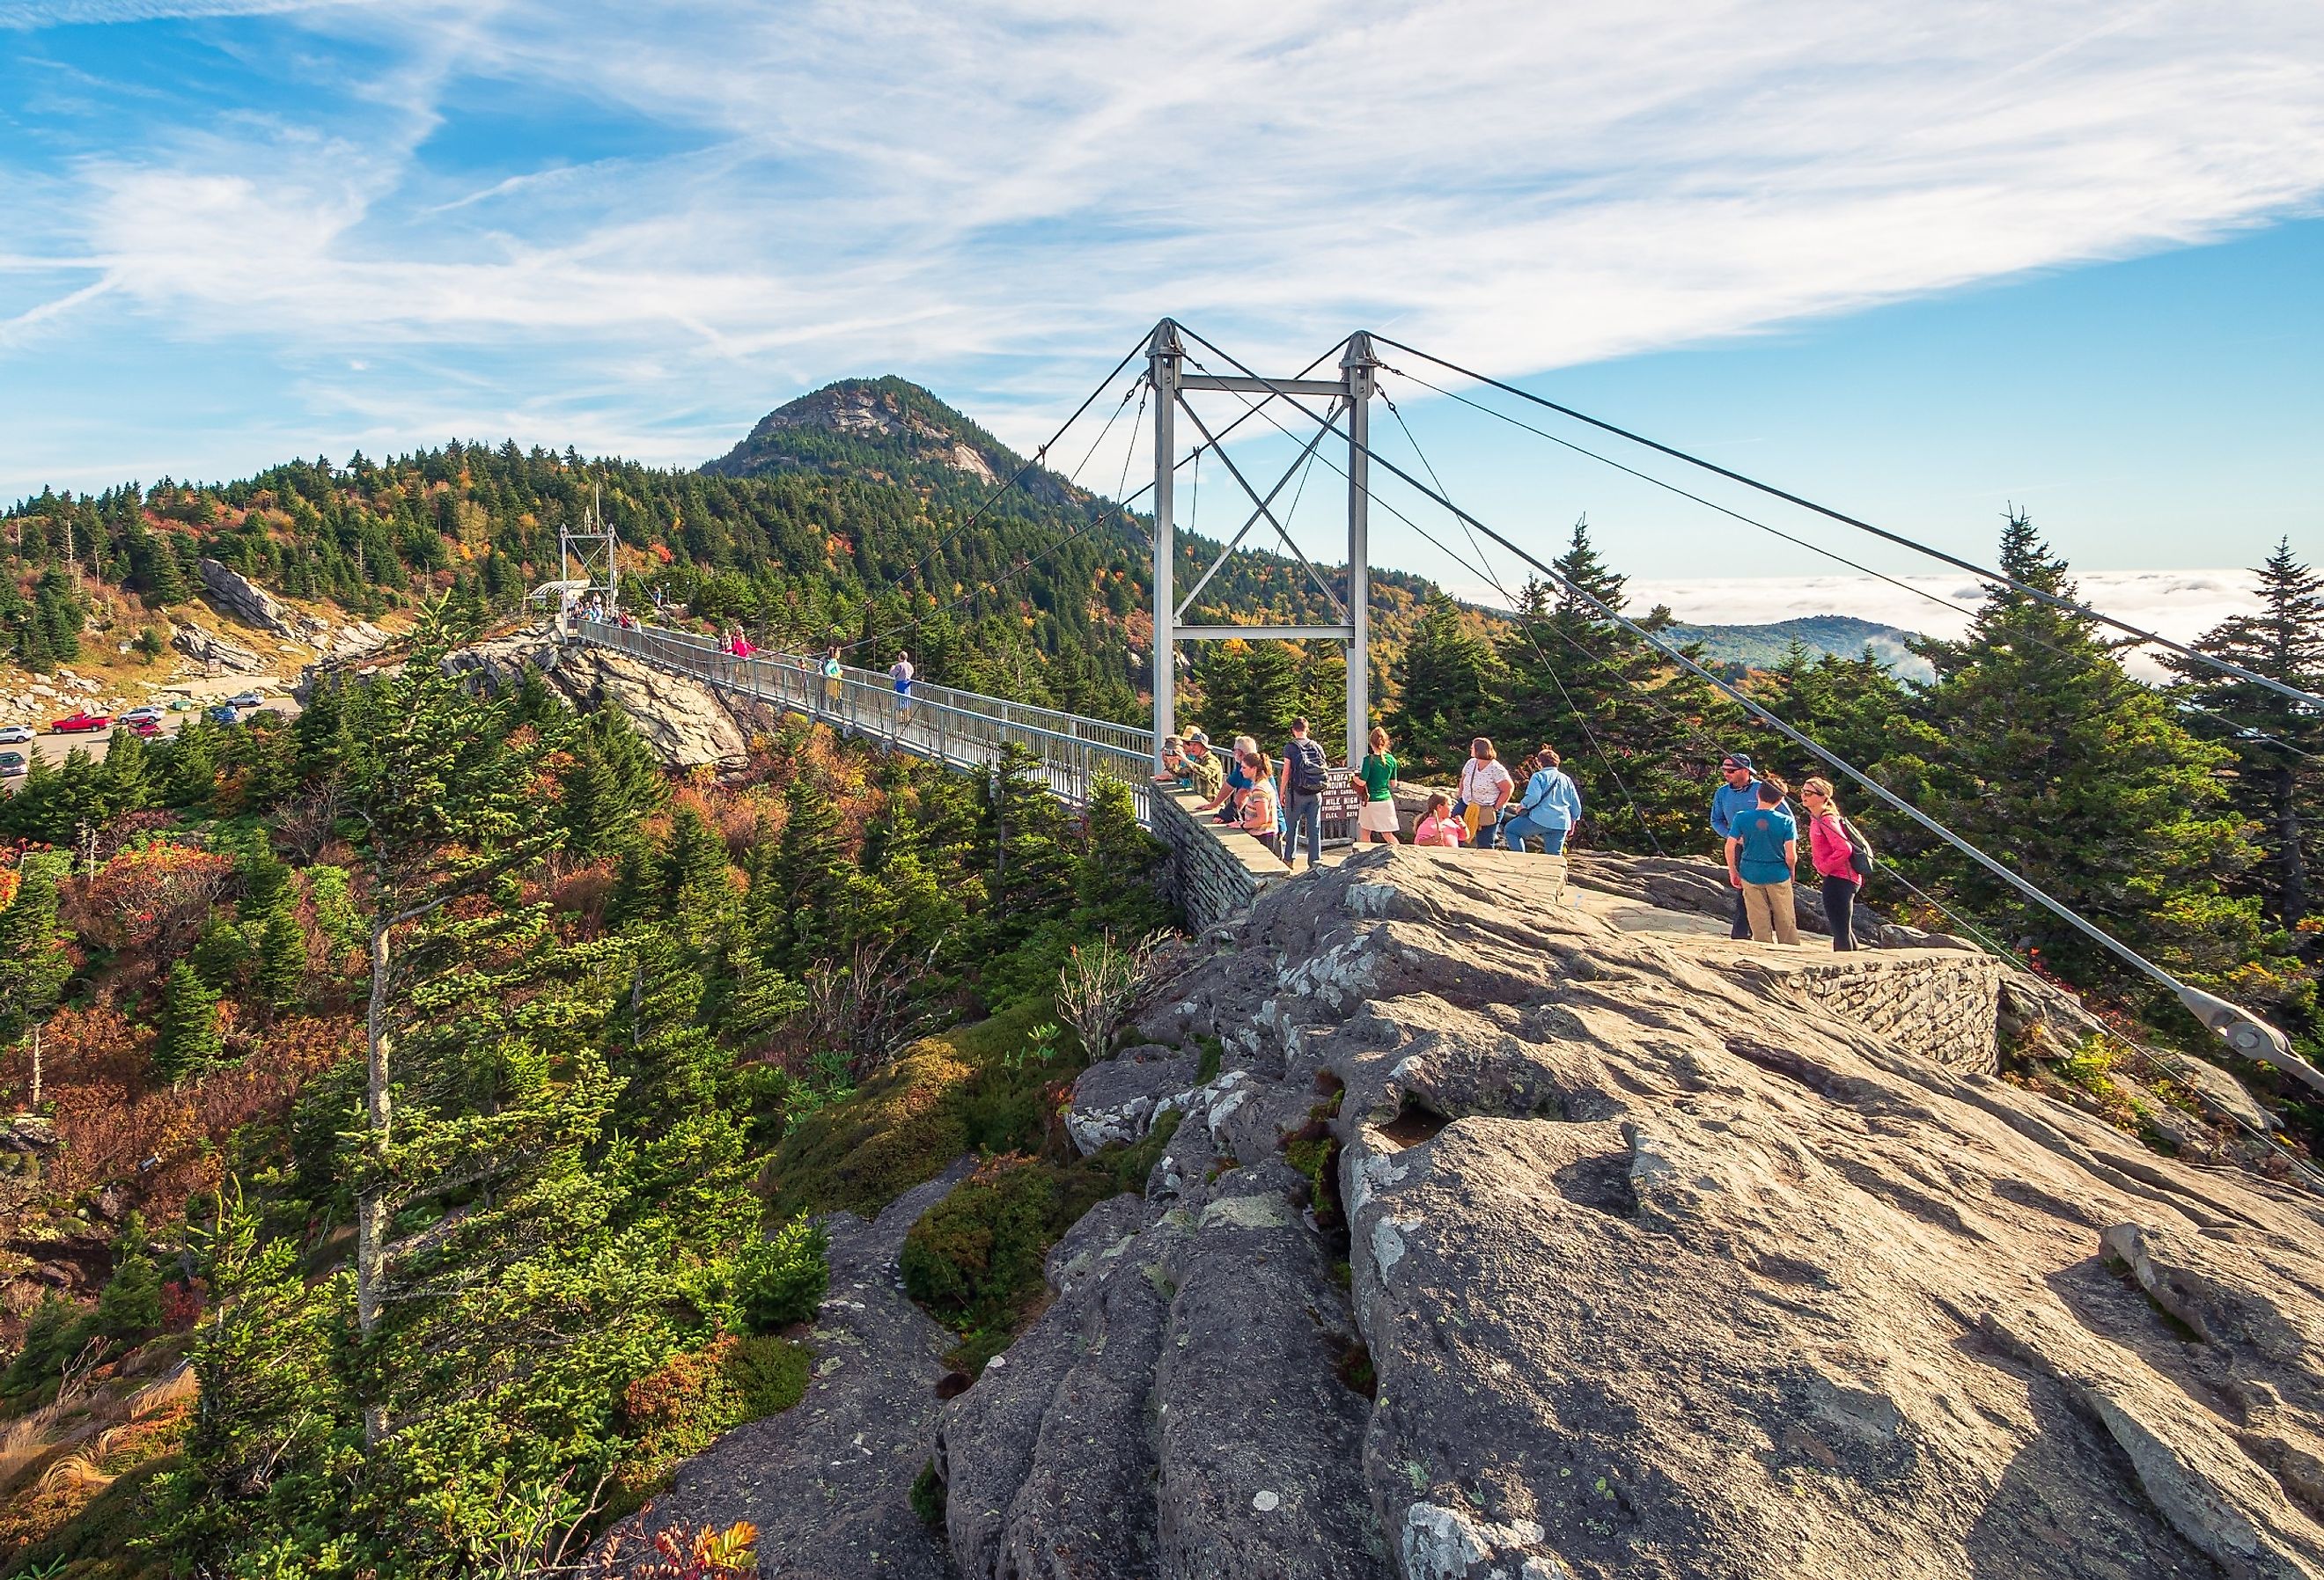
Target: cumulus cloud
{"x": 1000, "y": 197}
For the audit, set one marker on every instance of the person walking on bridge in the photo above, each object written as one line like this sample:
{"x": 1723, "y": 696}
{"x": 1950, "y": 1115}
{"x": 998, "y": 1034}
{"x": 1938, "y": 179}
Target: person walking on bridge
{"x": 1306, "y": 772}
{"x": 1738, "y": 795}
{"x": 900, "y": 672}
{"x": 1834, "y": 857}
{"x": 1762, "y": 853}
{"x": 1551, "y": 808}
{"x": 833, "y": 678}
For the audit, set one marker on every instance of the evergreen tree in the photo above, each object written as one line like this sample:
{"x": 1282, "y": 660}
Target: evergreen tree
{"x": 282, "y": 956}
{"x": 189, "y": 1039}
{"x": 809, "y": 877}
{"x": 33, "y": 964}
{"x": 2277, "y": 741}
{"x": 2084, "y": 782}
{"x": 1447, "y": 692}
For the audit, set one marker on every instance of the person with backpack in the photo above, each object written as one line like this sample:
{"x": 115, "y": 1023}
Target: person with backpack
{"x": 1551, "y": 808}
{"x": 1842, "y": 858}
{"x": 1485, "y": 788}
{"x": 1306, "y": 774}
{"x": 1763, "y": 852}
{"x": 1378, "y": 818}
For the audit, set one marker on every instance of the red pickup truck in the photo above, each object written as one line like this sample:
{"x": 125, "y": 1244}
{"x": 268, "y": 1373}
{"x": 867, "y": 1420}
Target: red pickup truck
{"x": 82, "y": 721}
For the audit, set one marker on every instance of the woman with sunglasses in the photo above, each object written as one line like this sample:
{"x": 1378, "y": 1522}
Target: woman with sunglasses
{"x": 1834, "y": 856}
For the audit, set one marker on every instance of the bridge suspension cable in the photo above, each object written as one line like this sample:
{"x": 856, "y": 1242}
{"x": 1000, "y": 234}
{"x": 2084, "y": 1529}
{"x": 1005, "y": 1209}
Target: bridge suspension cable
{"x": 2247, "y": 1033}
{"x": 2247, "y": 732}
{"x": 1982, "y": 572}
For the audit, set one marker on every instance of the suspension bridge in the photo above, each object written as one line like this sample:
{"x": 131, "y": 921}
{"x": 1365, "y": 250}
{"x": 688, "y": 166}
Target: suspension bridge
{"x": 968, "y": 730}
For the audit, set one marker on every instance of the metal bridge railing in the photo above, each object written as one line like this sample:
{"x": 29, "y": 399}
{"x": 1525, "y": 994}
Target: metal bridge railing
{"x": 961, "y": 729}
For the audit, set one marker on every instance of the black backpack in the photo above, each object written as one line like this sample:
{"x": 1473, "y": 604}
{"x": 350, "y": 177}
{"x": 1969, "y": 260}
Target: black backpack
{"x": 1859, "y": 850}
{"x": 1307, "y": 768}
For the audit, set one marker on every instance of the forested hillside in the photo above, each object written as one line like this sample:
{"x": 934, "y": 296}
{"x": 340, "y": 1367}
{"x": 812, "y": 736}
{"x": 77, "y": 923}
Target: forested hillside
{"x": 411, "y": 1065}
{"x": 825, "y": 526}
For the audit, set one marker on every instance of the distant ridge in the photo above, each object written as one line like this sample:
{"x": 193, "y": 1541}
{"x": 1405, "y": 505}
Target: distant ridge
{"x": 1762, "y": 647}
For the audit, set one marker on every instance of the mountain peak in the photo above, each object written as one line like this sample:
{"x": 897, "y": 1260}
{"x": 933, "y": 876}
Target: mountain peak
{"x": 890, "y": 427}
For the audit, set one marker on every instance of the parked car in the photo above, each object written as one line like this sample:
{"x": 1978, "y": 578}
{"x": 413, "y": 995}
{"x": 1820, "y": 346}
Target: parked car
{"x": 12, "y": 765}
{"x": 73, "y": 723}
{"x": 222, "y": 713}
{"x": 15, "y": 732}
{"x": 246, "y": 699}
{"x": 142, "y": 723}
{"x": 150, "y": 710}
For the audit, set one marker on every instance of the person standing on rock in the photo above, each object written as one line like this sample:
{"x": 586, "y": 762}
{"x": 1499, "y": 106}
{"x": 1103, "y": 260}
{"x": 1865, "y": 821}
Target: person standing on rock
{"x": 1762, "y": 853}
{"x": 1551, "y": 808}
{"x": 1738, "y": 795}
{"x": 1833, "y": 855}
{"x": 1378, "y": 770}
{"x": 1307, "y": 771}
{"x": 1485, "y": 788}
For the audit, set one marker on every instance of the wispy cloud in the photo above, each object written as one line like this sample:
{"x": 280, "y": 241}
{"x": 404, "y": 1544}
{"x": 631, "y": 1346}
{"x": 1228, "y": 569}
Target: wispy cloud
{"x": 998, "y": 196}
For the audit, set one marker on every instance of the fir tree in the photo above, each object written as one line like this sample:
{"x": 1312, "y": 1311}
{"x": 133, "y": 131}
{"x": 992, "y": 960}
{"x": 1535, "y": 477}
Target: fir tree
{"x": 2277, "y": 741}
{"x": 189, "y": 1039}
{"x": 1447, "y": 692}
{"x": 282, "y": 956}
{"x": 2084, "y": 782}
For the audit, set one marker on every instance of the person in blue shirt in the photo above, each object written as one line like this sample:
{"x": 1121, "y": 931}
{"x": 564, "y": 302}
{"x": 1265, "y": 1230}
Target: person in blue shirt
{"x": 1549, "y": 808}
{"x": 1739, "y": 794}
{"x": 1763, "y": 852}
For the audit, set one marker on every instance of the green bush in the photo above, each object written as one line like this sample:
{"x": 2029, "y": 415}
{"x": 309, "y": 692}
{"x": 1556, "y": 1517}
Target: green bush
{"x": 780, "y": 1279}
{"x": 770, "y": 1374}
{"x": 979, "y": 1251}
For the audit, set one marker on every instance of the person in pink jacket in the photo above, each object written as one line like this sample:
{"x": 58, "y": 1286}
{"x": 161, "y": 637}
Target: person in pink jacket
{"x": 1438, "y": 826}
{"x": 1833, "y": 854}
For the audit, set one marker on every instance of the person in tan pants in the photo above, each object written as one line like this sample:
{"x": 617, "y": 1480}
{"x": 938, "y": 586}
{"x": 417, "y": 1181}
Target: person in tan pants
{"x": 1763, "y": 851}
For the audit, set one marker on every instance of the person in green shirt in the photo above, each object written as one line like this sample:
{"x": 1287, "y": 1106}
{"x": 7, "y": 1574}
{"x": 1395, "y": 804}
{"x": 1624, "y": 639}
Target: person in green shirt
{"x": 1378, "y": 771}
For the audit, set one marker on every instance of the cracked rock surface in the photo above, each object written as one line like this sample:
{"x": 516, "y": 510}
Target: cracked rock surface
{"x": 1660, "y": 1272}
{"x": 828, "y": 1482}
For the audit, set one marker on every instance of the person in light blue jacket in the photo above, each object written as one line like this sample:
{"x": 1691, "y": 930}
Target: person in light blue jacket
{"x": 1549, "y": 808}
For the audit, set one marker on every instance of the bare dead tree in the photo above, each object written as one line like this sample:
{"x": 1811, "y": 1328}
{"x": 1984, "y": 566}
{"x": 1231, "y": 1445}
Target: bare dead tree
{"x": 1098, "y": 983}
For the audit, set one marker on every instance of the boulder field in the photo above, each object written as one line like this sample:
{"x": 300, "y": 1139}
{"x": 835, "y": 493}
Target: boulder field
{"x": 1504, "y": 1241}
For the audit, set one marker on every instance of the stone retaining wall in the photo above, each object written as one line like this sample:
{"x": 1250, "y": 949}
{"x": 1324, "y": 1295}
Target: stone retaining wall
{"x": 1942, "y": 1004}
{"x": 1214, "y": 870}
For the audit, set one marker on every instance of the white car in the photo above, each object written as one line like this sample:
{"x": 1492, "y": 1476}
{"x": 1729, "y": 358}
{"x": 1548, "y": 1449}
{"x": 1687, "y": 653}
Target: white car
{"x": 152, "y": 710}
{"x": 15, "y": 732}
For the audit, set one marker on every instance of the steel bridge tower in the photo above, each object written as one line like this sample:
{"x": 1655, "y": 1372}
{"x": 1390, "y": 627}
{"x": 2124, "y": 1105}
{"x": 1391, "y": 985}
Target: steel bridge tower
{"x": 1351, "y": 396}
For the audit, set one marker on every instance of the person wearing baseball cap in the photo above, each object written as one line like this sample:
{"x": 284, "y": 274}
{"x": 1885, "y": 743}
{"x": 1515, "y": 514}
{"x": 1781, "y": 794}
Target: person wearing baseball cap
{"x": 1738, "y": 792}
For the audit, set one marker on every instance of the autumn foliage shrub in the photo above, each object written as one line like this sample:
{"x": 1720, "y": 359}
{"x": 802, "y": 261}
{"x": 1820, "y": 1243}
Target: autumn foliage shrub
{"x": 678, "y": 1409}
{"x": 150, "y": 898}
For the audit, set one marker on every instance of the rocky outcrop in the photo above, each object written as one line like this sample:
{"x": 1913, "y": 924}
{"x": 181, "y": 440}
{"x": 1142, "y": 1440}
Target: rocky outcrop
{"x": 208, "y": 647}
{"x": 238, "y": 597}
{"x": 1628, "y": 1262}
{"x": 683, "y": 721}
{"x": 828, "y": 1482}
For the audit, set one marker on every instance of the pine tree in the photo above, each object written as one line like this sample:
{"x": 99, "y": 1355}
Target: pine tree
{"x": 2084, "y": 782}
{"x": 282, "y": 956}
{"x": 189, "y": 1039}
{"x": 1447, "y": 693}
{"x": 2281, "y": 776}
{"x": 33, "y": 964}
{"x": 809, "y": 877}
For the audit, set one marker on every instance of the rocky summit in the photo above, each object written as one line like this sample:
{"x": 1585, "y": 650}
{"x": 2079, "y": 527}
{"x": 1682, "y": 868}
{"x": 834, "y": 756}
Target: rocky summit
{"x": 1514, "y": 1240}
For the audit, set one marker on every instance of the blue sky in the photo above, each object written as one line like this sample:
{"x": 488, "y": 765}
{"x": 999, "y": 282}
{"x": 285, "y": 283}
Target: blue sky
{"x": 1919, "y": 265}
